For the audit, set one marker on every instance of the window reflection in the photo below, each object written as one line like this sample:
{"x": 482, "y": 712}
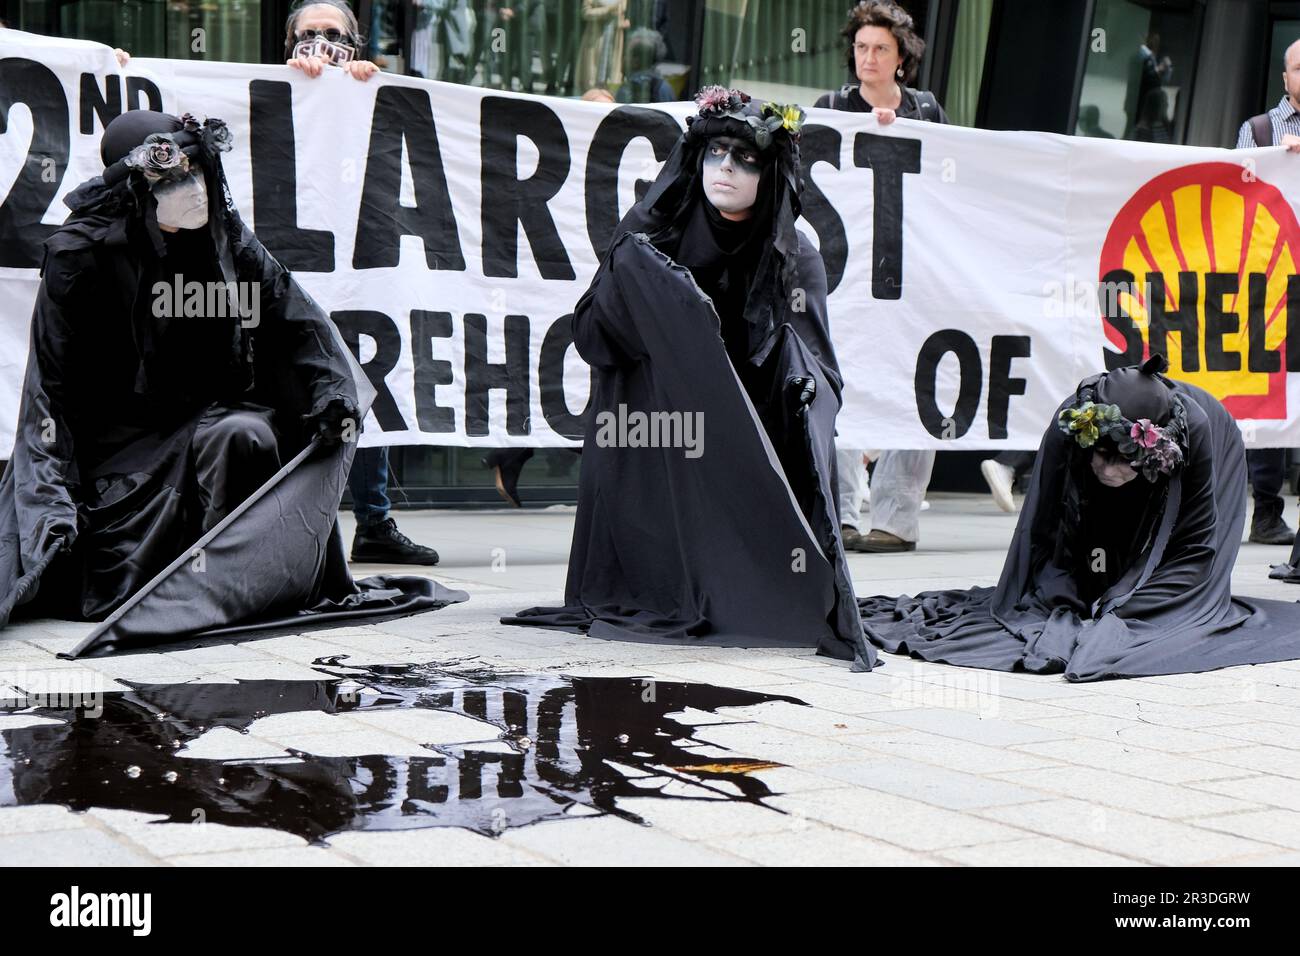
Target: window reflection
{"x": 1140, "y": 58}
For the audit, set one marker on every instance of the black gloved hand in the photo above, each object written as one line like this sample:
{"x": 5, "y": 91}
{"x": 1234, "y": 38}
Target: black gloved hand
{"x": 337, "y": 422}
{"x": 801, "y": 391}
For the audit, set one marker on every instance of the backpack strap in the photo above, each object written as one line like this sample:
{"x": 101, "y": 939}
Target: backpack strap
{"x": 927, "y": 104}
{"x": 1262, "y": 129}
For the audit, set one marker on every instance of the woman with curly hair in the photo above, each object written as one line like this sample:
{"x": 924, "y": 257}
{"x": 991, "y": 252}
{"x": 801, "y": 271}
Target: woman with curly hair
{"x": 883, "y": 53}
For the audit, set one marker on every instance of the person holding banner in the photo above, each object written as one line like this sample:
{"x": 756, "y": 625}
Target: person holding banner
{"x": 706, "y": 503}
{"x": 319, "y": 34}
{"x": 1121, "y": 563}
{"x": 322, "y": 33}
{"x": 186, "y": 419}
{"x": 883, "y": 53}
{"x": 1280, "y": 126}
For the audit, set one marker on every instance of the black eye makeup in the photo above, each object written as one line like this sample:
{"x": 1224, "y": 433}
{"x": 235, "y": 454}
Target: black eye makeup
{"x": 743, "y": 155}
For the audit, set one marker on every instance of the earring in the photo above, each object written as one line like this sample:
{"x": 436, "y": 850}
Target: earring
{"x": 900, "y": 73}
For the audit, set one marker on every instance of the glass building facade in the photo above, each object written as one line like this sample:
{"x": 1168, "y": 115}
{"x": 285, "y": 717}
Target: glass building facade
{"x": 1176, "y": 71}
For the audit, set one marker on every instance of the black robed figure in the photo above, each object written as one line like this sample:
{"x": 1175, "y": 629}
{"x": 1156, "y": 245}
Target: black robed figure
{"x": 709, "y": 309}
{"x": 183, "y": 397}
{"x": 1121, "y": 563}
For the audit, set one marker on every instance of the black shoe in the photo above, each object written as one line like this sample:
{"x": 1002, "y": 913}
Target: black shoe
{"x": 506, "y": 466}
{"x": 384, "y": 544}
{"x": 1271, "y": 530}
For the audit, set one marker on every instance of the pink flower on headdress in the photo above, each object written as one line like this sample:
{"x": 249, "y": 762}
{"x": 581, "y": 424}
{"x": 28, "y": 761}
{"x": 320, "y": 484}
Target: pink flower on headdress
{"x": 715, "y": 98}
{"x": 1145, "y": 433}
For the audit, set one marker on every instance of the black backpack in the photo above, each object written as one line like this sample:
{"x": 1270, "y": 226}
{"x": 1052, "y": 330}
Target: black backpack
{"x": 925, "y": 101}
{"x": 1261, "y": 127}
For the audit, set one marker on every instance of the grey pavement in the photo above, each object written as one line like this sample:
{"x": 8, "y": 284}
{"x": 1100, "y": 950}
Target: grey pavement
{"x": 913, "y": 764}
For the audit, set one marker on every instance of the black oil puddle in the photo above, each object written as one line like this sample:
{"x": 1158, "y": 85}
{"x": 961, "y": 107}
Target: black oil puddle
{"x": 559, "y": 741}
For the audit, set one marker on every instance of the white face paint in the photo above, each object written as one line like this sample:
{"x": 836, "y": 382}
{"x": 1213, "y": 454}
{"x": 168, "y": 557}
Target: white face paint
{"x": 732, "y": 169}
{"x": 183, "y": 204}
{"x": 1112, "y": 472}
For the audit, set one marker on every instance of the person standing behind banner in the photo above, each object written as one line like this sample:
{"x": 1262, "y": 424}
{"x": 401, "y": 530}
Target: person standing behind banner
{"x": 333, "y": 38}
{"x": 1280, "y": 126}
{"x": 884, "y": 52}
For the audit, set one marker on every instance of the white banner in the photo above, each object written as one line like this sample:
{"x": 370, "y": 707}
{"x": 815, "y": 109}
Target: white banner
{"x": 974, "y": 276}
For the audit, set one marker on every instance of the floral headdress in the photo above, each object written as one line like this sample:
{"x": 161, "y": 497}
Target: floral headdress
{"x": 161, "y": 157}
{"x": 719, "y": 102}
{"x": 1149, "y": 448}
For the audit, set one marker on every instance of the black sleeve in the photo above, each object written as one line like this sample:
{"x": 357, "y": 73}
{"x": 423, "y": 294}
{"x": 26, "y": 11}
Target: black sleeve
{"x": 812, "y": 322}
{"x": 302, "y": 335}
{"x": 46, "y": 485}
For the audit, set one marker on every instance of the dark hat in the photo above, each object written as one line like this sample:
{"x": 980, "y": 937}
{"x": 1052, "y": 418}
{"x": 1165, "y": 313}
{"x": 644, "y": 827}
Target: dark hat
{"x": 128, "y": 130}
{"x": 1139, "y": 391}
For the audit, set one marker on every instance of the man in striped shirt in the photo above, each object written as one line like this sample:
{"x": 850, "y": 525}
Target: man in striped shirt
{"x": 1280, "y": 126}
{"x": 1283, "y": 119}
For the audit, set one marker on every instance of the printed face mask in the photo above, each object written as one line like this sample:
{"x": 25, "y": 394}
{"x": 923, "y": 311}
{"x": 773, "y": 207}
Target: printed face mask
{"x": 182, "y": 204}
{"x": 336, "y": 52}
{"x": 732, "y": 168}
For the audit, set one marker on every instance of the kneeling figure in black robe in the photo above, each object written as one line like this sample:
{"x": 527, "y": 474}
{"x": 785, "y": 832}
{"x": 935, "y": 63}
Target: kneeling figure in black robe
{"x": 175, "y": 368}
{"x": 706, "y": 501}
{"x": 1121, "y": 563}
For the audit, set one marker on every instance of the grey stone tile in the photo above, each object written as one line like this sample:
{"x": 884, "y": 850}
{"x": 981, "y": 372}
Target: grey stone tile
{"x": 710, "y": 821}
{"x": 1278, "y": 827}
{"x": 1259, "y": 732}
{"x": 1136, "y": 732}
{"x": 765, "y": 742}
{"x": 609, "y": 841}
{"x": 1127, "y": 792}
{"x": 896, "y": 820}
{"x": 432, "y": 846}
{"x": 1034, "y": 851}
{"x": 75, "y": 847}
{"x": 1281, "y": 792}
{"x": 808, "y": 720}
{"x": 162, "y": 839}
{"x": 963, "y": 725}
{"x": 814, "y": 844}
{"x": 1261, "y": 759}
{"x": 1134, "y": 761}
{"x": 38, "y": 818}
{"x": 278, "y": 856}
{"x": 1140, "y": 836}
{"x": 928, "y": 784}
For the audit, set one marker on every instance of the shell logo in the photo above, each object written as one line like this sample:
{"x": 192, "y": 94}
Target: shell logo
{"x": 1200, "y": 264}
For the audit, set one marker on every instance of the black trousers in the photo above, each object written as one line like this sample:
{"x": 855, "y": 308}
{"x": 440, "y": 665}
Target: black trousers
{"x": 1267, "y": 468}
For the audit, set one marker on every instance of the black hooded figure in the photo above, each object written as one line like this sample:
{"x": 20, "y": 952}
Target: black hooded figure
{"x": 185, "y": 419}
{"x": 1121, "y": 563}
{"x": 709, "y": 313}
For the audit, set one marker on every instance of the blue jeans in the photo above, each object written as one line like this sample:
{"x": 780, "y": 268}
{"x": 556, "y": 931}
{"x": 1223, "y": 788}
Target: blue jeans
{"x": 368, "y": 481}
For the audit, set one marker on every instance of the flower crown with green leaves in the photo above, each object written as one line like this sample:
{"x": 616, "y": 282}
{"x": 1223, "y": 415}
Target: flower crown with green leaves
{"x": 719, "y": 102}
{"x": 1149, "y": 448}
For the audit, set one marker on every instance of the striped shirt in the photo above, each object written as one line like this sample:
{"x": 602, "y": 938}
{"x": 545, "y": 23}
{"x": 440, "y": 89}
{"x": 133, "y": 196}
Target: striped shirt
{"x": 1284, "y": 118}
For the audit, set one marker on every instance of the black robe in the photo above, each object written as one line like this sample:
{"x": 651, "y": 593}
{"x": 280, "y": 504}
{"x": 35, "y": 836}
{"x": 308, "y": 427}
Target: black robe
{"x": 742, "y": 543}
{"x": 1164, "y": 607}
{"x": 146, "y": 487}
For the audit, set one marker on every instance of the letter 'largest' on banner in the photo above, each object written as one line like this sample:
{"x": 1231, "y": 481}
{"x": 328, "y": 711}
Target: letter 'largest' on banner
{"x": 974, "y": 276}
